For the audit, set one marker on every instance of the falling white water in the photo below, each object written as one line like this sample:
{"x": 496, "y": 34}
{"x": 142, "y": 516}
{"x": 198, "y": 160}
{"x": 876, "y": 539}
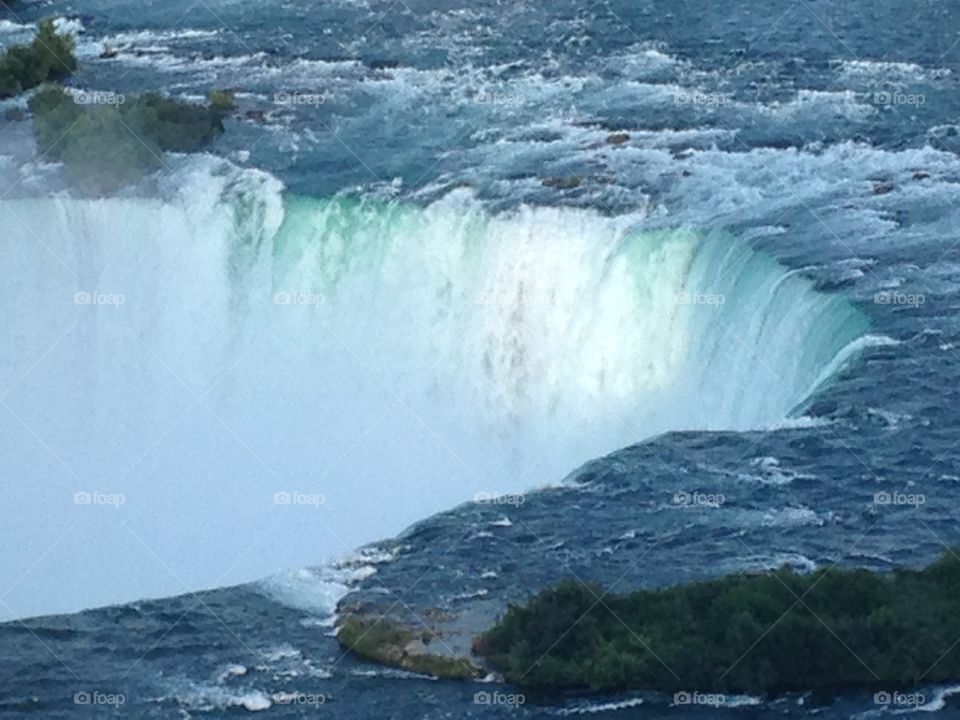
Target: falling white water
{"x": 242, "y": 381}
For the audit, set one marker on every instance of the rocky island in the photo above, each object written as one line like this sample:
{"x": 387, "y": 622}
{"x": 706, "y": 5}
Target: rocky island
{"x": 764, "y": 634}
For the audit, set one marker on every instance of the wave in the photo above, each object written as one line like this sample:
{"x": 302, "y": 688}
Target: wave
{"x": 218, "y": 356}
{"x": 587, "y": 708}
{"x": 207, "y": 697}
{"x": 886, "y": 72}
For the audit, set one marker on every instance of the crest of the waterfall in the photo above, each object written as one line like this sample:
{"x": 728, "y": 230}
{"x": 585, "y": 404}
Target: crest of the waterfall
{"x": 540, "y": 318}
{"x": 218, "y": 356}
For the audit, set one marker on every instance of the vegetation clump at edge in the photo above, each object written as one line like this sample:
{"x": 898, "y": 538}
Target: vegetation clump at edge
{"x": 762, "y": 634}
{"x": 48, "y": 58}
{"x": 105, "y": 141}
{"x": 105, "y": 147}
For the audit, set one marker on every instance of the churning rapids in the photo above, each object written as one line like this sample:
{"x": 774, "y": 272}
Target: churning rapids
{"x": 381, "y": 360}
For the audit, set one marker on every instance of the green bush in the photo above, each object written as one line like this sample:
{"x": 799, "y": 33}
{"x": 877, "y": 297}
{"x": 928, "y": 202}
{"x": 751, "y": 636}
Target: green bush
{"x": 740, "y": 634}
{"x": 223, "y": 100}
{"x": 107, "y": 147}
{"x": 49, "y": 57}
{"x": 175, "y": 126}
{"x": 103, "y": 155}
{"x": 54, "y": 115}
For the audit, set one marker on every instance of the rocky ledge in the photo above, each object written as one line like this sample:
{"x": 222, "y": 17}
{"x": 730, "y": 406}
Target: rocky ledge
{"x": 434, "y": 642}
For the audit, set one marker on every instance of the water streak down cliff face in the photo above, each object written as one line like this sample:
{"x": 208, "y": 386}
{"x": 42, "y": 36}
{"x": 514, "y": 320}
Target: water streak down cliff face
{"x": 225, "y": 357}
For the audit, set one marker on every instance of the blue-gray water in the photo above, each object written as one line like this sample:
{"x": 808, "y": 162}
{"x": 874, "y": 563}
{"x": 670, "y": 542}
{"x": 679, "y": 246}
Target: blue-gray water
{"x": 820, "y": 135}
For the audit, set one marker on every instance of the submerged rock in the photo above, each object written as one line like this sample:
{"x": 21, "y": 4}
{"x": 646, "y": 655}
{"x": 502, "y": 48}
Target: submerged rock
{"x": 562, "y": 183}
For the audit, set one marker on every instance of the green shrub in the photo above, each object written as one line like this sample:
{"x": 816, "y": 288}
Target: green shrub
{"x": 223, "y": 100}
{"x": 174, "y": 125}
{"x": 49, "y": 57}
{"x": 740, "y": 634}
{"x": 54, "y": 116}
{"x": 104, "y": 147}
{"x": 107, "y": 147}
{"x": 103, "y": 155}
{"x": 54, "y": 53}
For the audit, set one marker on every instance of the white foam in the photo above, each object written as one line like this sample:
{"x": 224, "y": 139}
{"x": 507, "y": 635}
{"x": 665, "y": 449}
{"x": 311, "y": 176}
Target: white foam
{"x": 886, "y": 71}
{"x": 938, "y": 703}
{"x": 814, "y": 104}
{"x": 153, "y": 37}
{"x": 283, "y": 652}
{"x": 772, "y": 473}
{"x": 205, "y": 698}
{"x": 231, "y": 671}
{"x": 8, "y": 26}
{"x": 313, "y": 591}
{"x": 69, "y": 26}
{"x": 790, "y": 517}
{"x": 159, "y": 59}
{"x": 591, "y": 708}
{"x": 767, "y": 563}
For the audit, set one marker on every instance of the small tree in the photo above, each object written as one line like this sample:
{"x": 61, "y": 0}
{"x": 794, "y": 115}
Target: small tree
{"x": 48, "y": 57}
{"x": 54, "y": 52}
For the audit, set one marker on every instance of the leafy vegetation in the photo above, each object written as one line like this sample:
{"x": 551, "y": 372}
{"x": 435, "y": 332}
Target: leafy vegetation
{"x": 223, "y": 100}
{"x": 105, "y": 141}
{"x": 763, "y": 634}
{"x": 112, "y": 141}
{"x": 48, "y": 58}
